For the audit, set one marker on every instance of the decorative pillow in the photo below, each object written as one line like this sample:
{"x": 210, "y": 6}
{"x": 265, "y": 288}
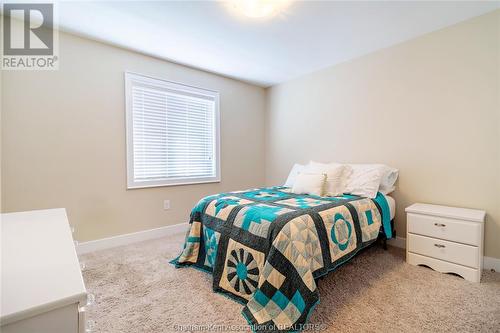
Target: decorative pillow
{"x": 364, "y": 180}
{"x": 296, "y": 169}
{"x": 336, "y": 176}
{"x": 309, "y": 184}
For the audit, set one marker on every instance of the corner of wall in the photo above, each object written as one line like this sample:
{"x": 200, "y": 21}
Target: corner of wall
{"x": 266, "y": 134}
{"x": 1, "y": 140}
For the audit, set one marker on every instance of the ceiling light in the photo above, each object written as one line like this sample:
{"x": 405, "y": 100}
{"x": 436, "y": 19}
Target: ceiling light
{"x": 258, "y": 8}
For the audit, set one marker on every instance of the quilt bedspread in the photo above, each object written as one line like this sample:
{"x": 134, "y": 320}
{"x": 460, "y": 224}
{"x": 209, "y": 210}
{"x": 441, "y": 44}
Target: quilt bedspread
{"x": 266, "y": 246}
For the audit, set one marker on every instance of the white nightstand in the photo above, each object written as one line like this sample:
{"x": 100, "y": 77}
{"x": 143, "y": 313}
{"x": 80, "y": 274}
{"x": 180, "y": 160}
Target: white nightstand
{"x": 447, "y": 239}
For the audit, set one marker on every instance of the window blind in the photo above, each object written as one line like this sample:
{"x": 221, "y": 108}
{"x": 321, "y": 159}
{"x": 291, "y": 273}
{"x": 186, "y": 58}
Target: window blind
{"x": 174, "y": 133}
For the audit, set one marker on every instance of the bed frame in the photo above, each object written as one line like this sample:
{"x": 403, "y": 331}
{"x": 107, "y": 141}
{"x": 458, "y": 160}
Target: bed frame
{"x": 383, "y": 239}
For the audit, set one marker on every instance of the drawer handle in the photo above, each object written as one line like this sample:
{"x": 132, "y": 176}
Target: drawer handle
{"x": 439, "y": 245}
{"x": 89, "y": 326}
{"x": 90, "y": 299}
{"x": 90, "y": 302}
{"x": 439, "y": 225}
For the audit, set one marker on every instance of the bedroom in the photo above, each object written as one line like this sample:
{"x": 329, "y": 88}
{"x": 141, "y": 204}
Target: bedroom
{"x": 334, "y": 165}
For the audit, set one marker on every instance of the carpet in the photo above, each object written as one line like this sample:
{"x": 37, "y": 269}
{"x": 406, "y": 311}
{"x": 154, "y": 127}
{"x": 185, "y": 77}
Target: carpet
{"x": 137, "y": 290}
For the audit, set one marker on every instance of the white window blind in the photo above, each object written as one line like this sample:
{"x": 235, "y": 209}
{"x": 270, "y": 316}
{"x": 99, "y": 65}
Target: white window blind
{"x": 172, "y": 133}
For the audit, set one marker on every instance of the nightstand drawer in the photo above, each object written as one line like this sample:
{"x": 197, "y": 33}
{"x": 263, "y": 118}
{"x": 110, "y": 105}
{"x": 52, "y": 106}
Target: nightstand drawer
{"x": 442, "y": 266}
{"x": 461, "y": 254}
{"x": 445, "y": 228}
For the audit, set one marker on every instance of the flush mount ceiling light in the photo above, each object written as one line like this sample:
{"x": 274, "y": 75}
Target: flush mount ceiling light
{"x": 259, "y": 8}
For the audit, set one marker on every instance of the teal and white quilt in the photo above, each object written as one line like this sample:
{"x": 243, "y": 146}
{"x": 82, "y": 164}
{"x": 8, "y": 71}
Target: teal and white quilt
{"x": 265, "y": 247}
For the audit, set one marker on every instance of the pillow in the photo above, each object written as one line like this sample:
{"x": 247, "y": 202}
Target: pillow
{"x": 336, "y": 176}
{"x": 389, "y": 175}
{"x": 386, "y": 190}
{"x": 296, "y": 169}
{"x": 388, "y": 179}
{"x": 309, "y": 184}
{"x": 364, "y": 180}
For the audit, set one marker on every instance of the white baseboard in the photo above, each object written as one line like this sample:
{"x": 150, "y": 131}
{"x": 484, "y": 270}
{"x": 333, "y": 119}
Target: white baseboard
{"x": 397, "y": 242}
{"x": 110, "y": 242}
{"x": 491, "y": 263}
{"x": 488, "y": 262}
{"x": 115, "y": 241}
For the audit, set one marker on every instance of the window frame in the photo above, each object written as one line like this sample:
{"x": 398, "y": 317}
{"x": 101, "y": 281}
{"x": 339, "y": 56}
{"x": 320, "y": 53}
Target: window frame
{"x": 130, "y": 79}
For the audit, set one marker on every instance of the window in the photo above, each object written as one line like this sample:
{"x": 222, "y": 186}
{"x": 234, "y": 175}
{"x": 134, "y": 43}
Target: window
{"x": 172, "y": 133}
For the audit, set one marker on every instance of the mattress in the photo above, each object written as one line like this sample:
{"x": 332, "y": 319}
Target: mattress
{"x": 392, "y": 205}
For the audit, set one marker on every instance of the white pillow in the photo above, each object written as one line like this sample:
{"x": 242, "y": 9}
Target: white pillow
{"x": 387, "y": 185}
{"x": 386, "y": 190}
{"x": 306, "y": 183}
{"x": 296, "y": 169}
{"x": 364, "y": 180}
{"x": 389, "y": 175}
{"x": 336, "y": 176}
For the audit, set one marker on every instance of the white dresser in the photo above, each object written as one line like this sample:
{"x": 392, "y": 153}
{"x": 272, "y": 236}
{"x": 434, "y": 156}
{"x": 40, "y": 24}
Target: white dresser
{"x": 447, "y": 239}
{"x": 42, "y": 285}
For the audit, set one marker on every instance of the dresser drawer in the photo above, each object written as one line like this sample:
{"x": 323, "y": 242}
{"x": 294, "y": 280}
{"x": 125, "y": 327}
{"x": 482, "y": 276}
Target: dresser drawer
{"x": 61, "y": 320}
{"x": 461, "y": 254}
{"x": 470, "y": 274}
{"x": 445, "y": 228}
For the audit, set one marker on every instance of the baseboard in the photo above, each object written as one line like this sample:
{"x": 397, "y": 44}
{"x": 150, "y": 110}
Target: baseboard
{"x": 110, "y": 242}
{"x": 120, "y": 240}
{"x": 397, "y": 242}
{"x": 488, "y": 262}
{"x": 491, "y": 263}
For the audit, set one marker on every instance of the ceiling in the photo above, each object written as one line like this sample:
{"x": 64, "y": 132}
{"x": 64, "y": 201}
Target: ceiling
{"x": 304, "y": 37}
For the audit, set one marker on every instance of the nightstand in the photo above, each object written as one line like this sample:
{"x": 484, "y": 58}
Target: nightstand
{"x": 446, "y": 239}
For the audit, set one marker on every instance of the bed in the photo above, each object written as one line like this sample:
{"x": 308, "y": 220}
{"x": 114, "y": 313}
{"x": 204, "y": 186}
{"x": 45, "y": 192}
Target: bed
{"x": 266, "y": 247}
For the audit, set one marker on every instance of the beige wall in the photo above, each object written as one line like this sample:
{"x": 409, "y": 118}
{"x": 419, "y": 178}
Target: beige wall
{"x": 429, "y": 106}
{"x": 63, "y": 140}
{"x": 1, "y": 113}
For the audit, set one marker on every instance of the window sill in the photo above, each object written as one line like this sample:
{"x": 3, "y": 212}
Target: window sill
{"x": 180, "y": 183}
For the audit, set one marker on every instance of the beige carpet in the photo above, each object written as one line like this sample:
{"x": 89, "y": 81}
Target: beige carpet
{"x": 138, "y": 291}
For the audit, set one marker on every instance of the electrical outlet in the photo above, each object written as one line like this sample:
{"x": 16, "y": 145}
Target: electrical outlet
{"x": 166, "y": 204}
